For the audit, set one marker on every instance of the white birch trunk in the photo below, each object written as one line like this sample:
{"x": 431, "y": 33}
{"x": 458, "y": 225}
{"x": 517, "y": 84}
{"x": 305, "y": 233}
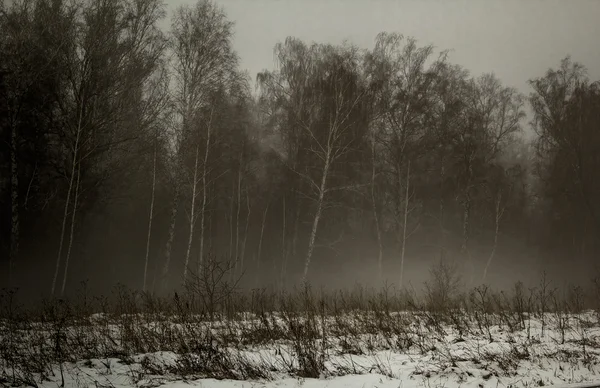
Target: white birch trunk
{"x": 171, "y": 238}
{"x": 72, "y": 231}
{"x": 405, "y": 225}
{"x": 204, "y": 197}
{"x": 243, "y": 250}
{"x": 68, "y": 199}
{"x": 192, "y": 217}
{"x": 260, "y": 241}
{"x": 150, "y": 220}
{"x": 282, "y": 275}
{"x": 231, "y": 224}
{"x": 376, "y": 215}
{"x": 315, "y": 226}
{"x": 237, "y": 218}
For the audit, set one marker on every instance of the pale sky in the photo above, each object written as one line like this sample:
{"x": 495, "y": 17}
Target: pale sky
{"x": 516, "y": 40}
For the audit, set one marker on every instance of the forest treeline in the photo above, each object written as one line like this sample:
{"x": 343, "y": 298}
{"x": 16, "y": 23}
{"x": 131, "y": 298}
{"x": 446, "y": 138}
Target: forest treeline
{"x": 133, "y": 154}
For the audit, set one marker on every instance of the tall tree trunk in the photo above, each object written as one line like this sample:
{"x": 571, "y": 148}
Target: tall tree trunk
{"x": 74, "y": 163}
{"x": 466, "y": 219}
{"x": 72, "y": 231}
{"x": 260, "y": 240}
{"x": 192, "y": 217}
{"x": 150, "y": 219}
{"x": 243, "y": 250}
{"x": 171, "y": 236}
{"x": 283, "y": 247}
{"x": 317, "y": 218}
{"x": 375, "y": 214}
{"x": 497, "y": 217}
{"x": 14, "y": 197}
{"x": 237, "y": 217}
{"x": 204, "y": 196}
{"x": 211, "y": 228}
{"x": 405, "y": 225}
{"x": 442, "y": 208}
{"x": 297, "y": 202}
{"x": 231, "y": 251}
{"x": 294, "y": 250}
{"x": 464, "y": 248}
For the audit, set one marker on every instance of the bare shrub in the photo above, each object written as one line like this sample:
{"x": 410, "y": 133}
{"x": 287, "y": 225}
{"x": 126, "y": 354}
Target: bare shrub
{"x": 443, "y": 287}
{"x": 211, "y": 289}
{"x": 300, "y": 314}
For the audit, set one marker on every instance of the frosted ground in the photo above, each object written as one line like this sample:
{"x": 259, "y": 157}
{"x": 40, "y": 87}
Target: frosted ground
{"x": 309, "y": 342}
{"x": 511, "y": 360}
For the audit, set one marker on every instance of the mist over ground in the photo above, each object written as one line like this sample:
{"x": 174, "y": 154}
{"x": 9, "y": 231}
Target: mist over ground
{"x": 134, "y": 149}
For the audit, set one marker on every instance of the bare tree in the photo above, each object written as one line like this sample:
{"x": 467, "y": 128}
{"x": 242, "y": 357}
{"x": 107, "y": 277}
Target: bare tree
{"x": 565, "y": 105}
{"x": 492, "y": 118}
{"x": 403, "y": 87}
{"x": 319, "y": 86}
{"x": 156, "y": 121}
{"x": 108, "y": 65}
{"x": 446, "y": 118}
{"x": 74, "y": 162}
{"x": 203, "y": 63}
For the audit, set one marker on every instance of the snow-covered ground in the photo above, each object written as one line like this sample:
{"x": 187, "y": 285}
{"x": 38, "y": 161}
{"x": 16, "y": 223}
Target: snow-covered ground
{"x": 347, "y": 350}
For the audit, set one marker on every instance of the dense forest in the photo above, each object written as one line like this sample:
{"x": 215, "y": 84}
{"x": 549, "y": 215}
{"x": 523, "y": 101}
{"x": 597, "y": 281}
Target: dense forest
{"x": 130, "y": 154}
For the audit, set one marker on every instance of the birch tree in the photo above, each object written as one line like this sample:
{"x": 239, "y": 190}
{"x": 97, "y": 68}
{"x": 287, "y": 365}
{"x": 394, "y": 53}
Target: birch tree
{"x": 491, "y": 120}
{"x": 499, "y": 187}
{"x": 114, "y": 49}
{"x": 320, "y": 89}
{"x": 203, "y": 61}
{"x": 403, "y": 80}
{"x": 447, "y": 117}
{"x": 565, "y": 104}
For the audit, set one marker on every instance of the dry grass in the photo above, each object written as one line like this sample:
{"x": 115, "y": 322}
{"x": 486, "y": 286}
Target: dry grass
{"x": 215, "y": 330}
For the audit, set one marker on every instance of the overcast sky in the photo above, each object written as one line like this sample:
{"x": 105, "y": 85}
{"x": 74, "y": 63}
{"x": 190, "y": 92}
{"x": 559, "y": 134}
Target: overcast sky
{"x": 517, "y": 40}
